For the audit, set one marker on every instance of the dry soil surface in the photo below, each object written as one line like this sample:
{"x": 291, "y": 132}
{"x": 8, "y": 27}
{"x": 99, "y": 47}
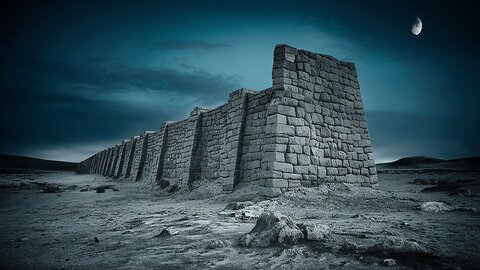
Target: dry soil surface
{"x": 63, "y": 220}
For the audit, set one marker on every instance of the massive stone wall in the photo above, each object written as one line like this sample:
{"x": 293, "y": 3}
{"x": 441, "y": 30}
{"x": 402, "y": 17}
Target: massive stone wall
{"x": 307, "y": 129}
{"x": 318, "y": 123}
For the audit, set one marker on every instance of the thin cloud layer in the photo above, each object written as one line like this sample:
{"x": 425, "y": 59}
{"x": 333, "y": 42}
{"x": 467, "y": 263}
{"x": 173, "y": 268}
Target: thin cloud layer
{"x": 60, "y": 104}
{"x": 195, "y": 45}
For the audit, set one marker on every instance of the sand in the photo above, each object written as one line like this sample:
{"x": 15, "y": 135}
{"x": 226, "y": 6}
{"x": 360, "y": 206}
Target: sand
{"x": 55, "y": 225}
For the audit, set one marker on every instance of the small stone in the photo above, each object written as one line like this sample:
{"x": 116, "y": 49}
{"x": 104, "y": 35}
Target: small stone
{"x": 435, "y": 207}
{"x": 389, "y": 262}
{"x": 167, "y": 232}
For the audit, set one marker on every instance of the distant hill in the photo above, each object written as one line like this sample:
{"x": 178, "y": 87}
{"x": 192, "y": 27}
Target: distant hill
{"x": 10, "y": 162}
{"x": 422, "y": 162}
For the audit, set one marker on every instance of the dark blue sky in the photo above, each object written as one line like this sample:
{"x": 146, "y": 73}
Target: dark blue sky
{"x": 80, "y": 76}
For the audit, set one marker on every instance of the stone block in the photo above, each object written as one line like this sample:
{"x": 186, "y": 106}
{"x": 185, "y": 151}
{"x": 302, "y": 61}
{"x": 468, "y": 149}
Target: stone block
{"x": 274, "y": 156}
{"x": 294, "y": 121}
{"x": 286, "y": 110}
{"x": 277, "y": 119}
{"x": 295, "y": 149}
{"x": 296, "y": 140}
{"x": 302, "y": 131}
{"x": 303, "y": 160}
{"x": 274, "y": 148}
{"x": 285, "y": 129}
{"x": 300, "y": 112}
{"x": 332, "y": 171}
{"x": 291, "y": 158}
{"x": 300, "y": 169}
{"x": 294, "y": 183}
{"x": 292, "y": 176}
{"x": 280, "y": 72}
{"x": 321, "y": 171}
{"x": 290, "y": 57}
{"x": 282, "y": 167}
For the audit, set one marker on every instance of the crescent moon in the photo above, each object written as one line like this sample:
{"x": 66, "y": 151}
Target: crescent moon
{"x": 417, "y": 27}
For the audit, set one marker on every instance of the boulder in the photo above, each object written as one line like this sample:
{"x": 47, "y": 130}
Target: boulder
{"x": 398, "y": 245}
{"x": 272, "y": 229}
{"x": 317, "y": 232}
{"x": 435, "y": 207}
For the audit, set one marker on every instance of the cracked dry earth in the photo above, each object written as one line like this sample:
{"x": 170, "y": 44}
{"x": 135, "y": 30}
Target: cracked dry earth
{"x": 63, "y": 220}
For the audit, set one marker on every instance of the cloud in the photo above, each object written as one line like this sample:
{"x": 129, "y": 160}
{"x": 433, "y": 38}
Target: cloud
{"x": 46, "y": 106}
{"x": 196, "y": 45}
{"x": 111, "y": 78}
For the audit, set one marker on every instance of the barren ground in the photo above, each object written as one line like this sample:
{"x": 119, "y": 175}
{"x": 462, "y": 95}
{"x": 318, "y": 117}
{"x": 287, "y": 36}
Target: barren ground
{"x": 57, "y": 229}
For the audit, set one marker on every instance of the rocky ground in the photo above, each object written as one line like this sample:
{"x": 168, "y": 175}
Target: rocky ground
{"x": 421, "y": 219}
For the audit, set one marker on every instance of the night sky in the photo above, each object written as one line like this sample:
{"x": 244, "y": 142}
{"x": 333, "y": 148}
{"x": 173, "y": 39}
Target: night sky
{"x": 77, "y": 77}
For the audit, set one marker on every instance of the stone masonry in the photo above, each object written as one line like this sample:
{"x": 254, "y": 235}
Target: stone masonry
{"x": 307, "y": 129}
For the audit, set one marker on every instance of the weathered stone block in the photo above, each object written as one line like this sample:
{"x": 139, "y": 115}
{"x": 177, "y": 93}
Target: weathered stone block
{"x": 302, "y": 131}
{"x": 295, "y": 149}
{"x": 282, "y": 167}
{"x": 303, "y": 160}
{"x": 291, "y": 158}
{"x": 286, "y": 110}
{"x": 300, "y": 169}
{"x": 294, "y": 121}
{"x": 321, "y": 171}
{"x": 292, "y": 176}
{"x": 274, "y": 156}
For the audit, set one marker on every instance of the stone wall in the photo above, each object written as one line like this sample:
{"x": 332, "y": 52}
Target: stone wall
{"x": 128, "y": 158}
{"x": 139, "y": 156}
{"x": 318, "y": 125}
{"x": 117, "y": 171}
{"x": 307, "y": 129}
{"x": 177, "y": 151}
